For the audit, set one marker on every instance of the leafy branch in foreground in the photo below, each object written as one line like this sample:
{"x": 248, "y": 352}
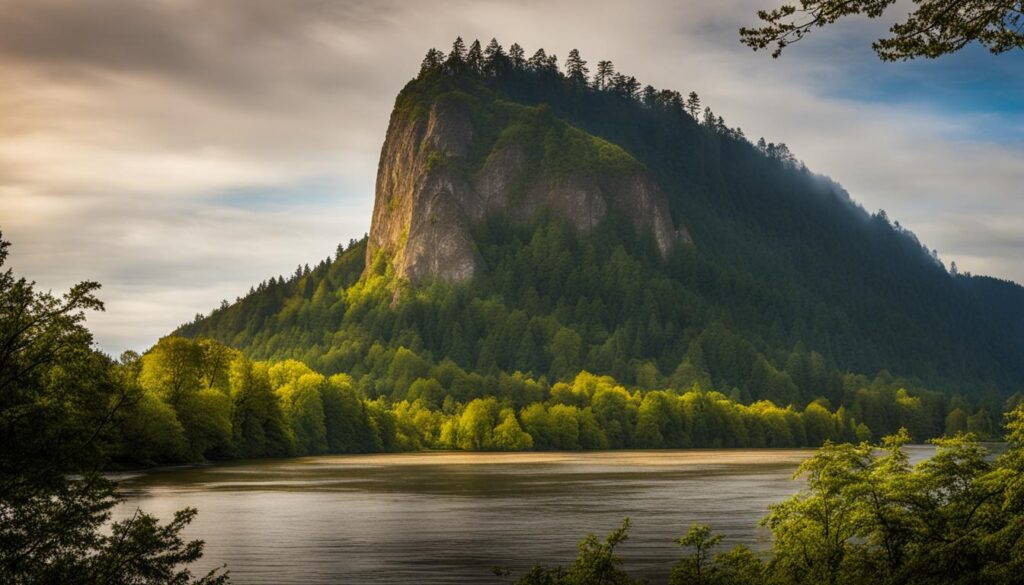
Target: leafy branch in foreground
{"x": 595, "y": 564}
{"x": 933, "y": 29}
{"x": 865, "y": 515}
{"x": 58, "y": 399}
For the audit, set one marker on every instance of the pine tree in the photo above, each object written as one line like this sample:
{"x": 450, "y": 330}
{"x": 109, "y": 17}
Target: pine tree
{"x": 517, "y": 57}
{"x": 693, "y": 104}
{"x": 539, "y": 61}
{"x": 576, "y": 68}
{"x": 432, "y": 61}
{"x": 475, "y": 57}
{"x": 626, "y": 86}
{"x": 631, "y": 87}
{"x": 783, "y": 154}
{"x": 495, "y": 59}
{"x": 709, "y": 117}
{"x": 552, "y": 64}
{"x": 615, "y": 83}
{"x": 457, "y": 57}
{"x": 672, "y": 101}
{"x": 524, "y": 357}
{"x": 604, "y": 75}
{"x": 649, "y": 96}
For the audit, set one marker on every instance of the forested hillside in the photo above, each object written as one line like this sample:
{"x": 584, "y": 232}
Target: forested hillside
{"x": 789, "y": 292}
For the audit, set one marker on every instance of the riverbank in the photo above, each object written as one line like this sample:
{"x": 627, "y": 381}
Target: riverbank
{"x": 647, "y": 457}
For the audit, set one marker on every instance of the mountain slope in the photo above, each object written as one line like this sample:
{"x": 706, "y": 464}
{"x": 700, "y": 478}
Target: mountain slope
{"x": 525, "y": 221}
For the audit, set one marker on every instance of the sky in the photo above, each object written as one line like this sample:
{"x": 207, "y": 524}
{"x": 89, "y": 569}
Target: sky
{"x": 181, "y": 151}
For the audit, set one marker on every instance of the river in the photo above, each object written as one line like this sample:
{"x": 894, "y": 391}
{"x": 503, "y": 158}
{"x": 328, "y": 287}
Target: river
{"x": 440, "y": 518}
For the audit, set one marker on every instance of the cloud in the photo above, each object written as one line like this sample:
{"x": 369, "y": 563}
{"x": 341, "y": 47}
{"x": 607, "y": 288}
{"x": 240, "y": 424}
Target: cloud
{"x": 181, "y": 151}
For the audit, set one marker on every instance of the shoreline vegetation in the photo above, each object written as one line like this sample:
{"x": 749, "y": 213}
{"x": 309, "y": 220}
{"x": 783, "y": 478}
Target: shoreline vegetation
{"x": 866, "y": 514}
{"x": 197, "y": 400}
{"x": 654, "y": 458}
{"x": 643, "y": 457}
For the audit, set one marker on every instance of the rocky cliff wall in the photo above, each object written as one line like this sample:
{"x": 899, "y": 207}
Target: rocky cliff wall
{"x": 433, "y": 185}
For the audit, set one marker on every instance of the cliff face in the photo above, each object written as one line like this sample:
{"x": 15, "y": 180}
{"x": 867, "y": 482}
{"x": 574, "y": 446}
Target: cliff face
{"x": 449, "y": 163}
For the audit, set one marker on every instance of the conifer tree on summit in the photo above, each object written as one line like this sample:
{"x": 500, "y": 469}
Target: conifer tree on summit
{"x": 475, "y": 57}
{"x": 576, "y": 68}
{"x": 693, "y": 104}
{"x": 604, "y": 75}
{"x": 457, "y": 56}
{"x": 495, "y": 59}
{"x": 434, "y": 59}
{"x": 517, "y": 56}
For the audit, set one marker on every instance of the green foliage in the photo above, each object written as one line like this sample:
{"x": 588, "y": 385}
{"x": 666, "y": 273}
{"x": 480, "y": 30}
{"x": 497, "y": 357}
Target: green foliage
{"x": 60, "y": 402}
{"x": 509, "y": 434}
{"x": 286, "y": 408}
{"x": 154, "y": 431}
{"x": 866, "y": 515}
{"x": 596, "y": 564}
{"x": 345, "y": 419}
{"x": 694, "y": 568}
{"x": 738, "y": 566}
{"x": 258, "y": 425}
{"x": 191, "y": 378}
{"x": 475, "y": 427}
{"x": 299, "y": 390}
{"x": 934, "y": 28}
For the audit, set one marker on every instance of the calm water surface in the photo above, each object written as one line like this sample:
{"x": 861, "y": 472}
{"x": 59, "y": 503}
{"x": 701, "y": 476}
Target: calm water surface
{"x": 432, "y": 518}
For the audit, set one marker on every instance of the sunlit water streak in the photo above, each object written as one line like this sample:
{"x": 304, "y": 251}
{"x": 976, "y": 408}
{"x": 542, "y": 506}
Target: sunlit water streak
{"x": 433, "y": 518}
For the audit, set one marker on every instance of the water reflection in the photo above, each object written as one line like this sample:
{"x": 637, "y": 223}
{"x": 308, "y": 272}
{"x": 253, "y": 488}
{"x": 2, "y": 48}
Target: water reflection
{"x": 435, "y": 518}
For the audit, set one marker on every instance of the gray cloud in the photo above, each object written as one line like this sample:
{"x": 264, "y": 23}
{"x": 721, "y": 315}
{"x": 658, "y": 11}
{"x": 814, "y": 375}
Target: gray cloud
{"x": 181, "y": 151}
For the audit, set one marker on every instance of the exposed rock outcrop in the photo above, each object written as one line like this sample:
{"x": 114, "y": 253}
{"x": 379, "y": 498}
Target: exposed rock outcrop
{"x": 431, "y": 191}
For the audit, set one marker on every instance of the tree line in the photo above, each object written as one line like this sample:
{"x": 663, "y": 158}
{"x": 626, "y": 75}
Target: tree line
{"x": 196, "y": 400}
{"x": 494, "y": 61}
{"x": 193, "y": 400}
